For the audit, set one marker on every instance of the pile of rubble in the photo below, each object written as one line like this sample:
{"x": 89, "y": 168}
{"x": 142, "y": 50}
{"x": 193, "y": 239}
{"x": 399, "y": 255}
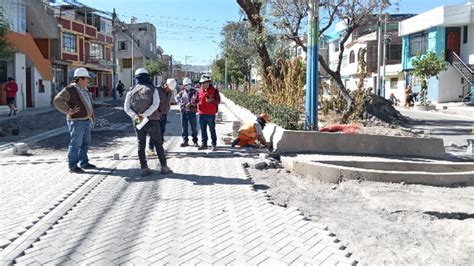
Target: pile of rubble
{"x": 265, "y": 161}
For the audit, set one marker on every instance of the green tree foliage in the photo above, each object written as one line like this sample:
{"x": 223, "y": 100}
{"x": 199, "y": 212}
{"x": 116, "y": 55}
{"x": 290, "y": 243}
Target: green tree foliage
{"x": 156, "y": 68}
{"x": 6, "y": 50}
{"x": 425, "y": 67}
{"x": 238, "y": 51}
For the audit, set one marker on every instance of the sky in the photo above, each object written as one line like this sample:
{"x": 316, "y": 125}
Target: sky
{"x": 190, "y": 29}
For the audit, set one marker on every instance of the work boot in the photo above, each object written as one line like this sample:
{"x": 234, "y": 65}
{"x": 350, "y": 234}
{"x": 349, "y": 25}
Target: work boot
{"x": 76, "y": 170}
{"x": 165, "y": 170}
{"x": 214, "y": 148}
{"x": 146, "y": 171}
{"x": 202, "y": 147}
{"x": 196, "y": 145}
{"x": 184, "y": 144}
{"x": 234, "y": 143}
{"x": 14, "y": 112}
{"x": 89, "y": 166}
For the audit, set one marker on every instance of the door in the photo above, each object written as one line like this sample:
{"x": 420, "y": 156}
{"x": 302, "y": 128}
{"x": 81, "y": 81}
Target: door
{"x": 454, "y": 42}
{"x": 29, "y": 92}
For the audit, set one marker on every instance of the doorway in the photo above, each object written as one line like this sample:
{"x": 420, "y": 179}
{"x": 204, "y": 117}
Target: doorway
{"x": 453, "y": 40}
{"x": 29, "y": 92}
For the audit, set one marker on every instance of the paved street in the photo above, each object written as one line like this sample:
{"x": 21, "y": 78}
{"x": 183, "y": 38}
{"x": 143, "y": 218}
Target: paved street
{"x": 206, "y": 212}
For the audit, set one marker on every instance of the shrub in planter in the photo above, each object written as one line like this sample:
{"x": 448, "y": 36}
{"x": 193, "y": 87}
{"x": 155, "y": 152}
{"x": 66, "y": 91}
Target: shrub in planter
{"x": 282, "y": 115}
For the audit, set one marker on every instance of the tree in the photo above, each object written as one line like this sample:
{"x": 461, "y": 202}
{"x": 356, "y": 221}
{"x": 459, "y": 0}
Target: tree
{"x": 425, "y": 67}
{"x": 237, "y": 50}
{"x": 156, "y": 68}
{"x": 253, "y": 10}
{"x": 218, "y": 69}
{"x": 6, "y": 50}
{"x": 289, "y": 16}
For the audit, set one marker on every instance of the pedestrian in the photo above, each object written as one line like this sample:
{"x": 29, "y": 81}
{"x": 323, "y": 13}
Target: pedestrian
{"x": 208, "y": 101}
{"x": 408, "y": 95}
{"x": 165, "y": 92}
{"x": 188, "y": 102}
{"x": 252, "y": 132}
{"x": 75, "y": 101}
{"x": 120, "y": 88}
{"x": 141, "y": 104}
{"x": 11, "y": 88}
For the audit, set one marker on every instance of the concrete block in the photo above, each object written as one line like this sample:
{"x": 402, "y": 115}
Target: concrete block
{"x": 20, "y": 148}
{"x": 470, "y": 146}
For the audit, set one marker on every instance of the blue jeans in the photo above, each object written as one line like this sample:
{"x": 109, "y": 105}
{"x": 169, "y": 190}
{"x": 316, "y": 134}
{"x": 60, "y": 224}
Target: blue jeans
{"x": 163, "y": 121}
{"x": 80, "y": 132}
{"x": 204, "y": 122}
{"x": 189, "y": 118}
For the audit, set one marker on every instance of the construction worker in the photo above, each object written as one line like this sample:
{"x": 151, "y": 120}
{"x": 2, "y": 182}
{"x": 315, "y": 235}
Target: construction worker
{"x": 141, "y": 104}
{"x": 188, "y": 102}
{"x": 76, "y": 103}
{"x": 208, "y": 104}
{"x": 252, "y": 132}
{"x": 165, "y": 92}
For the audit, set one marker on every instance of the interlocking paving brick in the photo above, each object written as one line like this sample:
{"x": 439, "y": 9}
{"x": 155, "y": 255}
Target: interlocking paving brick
{"x": 206, "y": 212}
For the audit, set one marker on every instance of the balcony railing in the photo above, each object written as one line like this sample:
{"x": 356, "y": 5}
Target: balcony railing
{"x": 103, "y": 63}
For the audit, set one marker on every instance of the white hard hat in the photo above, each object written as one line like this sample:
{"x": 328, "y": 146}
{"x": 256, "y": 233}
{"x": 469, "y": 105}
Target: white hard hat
{"x": 187, "y": 81}
{"x": 171, "y": 83}
{"x": 141, "y": 71}
{"x": 81, "y": 72}
{"x": 205, "y": 78}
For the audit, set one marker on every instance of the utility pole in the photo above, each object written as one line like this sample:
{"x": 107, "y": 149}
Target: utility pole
{"x": 133, "y": 57}
{"x": 379, "y": 51}
{"x": 385, "y": 42}
{"x": 226, "y": 81}
{"x": 114, "y": 57}
{"x": 312, "y": 60}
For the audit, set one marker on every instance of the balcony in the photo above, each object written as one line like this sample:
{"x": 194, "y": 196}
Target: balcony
{"x": 100, "y": 62}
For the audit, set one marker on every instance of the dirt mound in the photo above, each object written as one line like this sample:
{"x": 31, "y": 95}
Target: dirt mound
{"x": 379, "y": 108}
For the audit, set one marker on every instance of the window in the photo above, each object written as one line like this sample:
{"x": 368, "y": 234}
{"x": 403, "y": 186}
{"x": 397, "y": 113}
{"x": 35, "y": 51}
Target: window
{"x": 122, "y": 46}
{"x": 69, "y": 43}
{"x": 351, "y": 57}
{"x": 336, "y": 46}
{"x": 464, "y": 35}
{"x": 394, "y": 52}
{"x": 138, "y": 43}
{"x": 127, "y": 63}
{"x": 97, "y": 51}
{"x": 393, "y": 83}
{"x": 418, "y": 44}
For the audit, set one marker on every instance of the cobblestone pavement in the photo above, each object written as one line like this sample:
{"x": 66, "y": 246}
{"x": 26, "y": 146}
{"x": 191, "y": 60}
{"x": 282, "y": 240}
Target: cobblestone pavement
{"x": 206, "y": 212}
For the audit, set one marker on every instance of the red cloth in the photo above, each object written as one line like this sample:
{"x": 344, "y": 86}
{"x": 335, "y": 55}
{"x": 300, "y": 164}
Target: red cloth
{"x": 205, "y": 108}
{"x": 11, "y": 88}
{"x": 351, "y": 128}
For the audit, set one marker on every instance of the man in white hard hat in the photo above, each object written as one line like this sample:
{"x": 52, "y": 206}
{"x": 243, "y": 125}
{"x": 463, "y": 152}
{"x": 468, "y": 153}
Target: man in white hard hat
{"x": 209, "y": 99}
{"x": 165, "y": 92}
{"x": 141, "y": 104}
{"x": 188, "y": 100}
{"x": 75, "y": 101}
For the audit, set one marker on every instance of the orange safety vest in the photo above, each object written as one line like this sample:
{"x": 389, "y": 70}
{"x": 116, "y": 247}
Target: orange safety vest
{"x": 248, "y": 131}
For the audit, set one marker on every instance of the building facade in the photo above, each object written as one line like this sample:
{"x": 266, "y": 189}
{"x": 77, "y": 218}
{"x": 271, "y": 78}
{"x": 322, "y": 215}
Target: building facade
{"x": 132, "y": 55}
{"x": 365, "y": 38}
{"x": 448, "y": 31}
{"x": 85, "y": 41}
{"x": 30, "y": 65}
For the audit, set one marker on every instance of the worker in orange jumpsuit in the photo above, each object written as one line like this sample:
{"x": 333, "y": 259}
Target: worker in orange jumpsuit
{"x": 252, "y": 132}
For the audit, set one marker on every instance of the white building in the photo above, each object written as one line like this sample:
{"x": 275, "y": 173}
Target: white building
{"x": 30, "y": 25}
{"x": 447, "y": 30}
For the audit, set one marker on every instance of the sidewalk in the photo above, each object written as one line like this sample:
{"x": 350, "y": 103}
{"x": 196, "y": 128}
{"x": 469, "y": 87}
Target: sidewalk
{"x": 41, "y": 110}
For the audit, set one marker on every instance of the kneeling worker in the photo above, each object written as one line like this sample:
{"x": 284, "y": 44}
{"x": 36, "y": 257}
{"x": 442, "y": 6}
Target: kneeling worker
{"x": 249, "y": 134}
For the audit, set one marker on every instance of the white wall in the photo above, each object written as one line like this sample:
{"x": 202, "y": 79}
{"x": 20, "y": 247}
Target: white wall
{"x": 450, "y": 87}
{"x": 40, "y": 99}
{"x": 20, "y": 78}
{"x": 399, "y": 92}
{"x": 467, "y": 49}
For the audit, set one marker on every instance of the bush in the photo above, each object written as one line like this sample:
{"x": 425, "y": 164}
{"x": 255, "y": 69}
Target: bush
{"x": 282, "y": 115}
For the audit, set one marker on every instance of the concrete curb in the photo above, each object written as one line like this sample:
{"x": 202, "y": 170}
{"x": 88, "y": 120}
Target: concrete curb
{"x": 425, "y": 173}
{"x": 291, "y": 141}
